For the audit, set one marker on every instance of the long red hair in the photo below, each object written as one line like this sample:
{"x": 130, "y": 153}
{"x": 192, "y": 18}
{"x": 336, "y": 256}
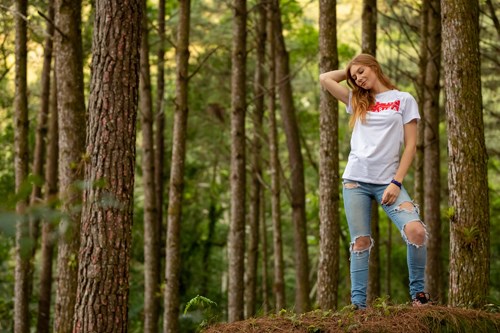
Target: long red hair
{"x": 362, "y": 99}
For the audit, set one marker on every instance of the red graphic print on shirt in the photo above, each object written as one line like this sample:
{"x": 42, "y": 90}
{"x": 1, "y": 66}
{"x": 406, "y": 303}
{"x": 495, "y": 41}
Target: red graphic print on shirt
{"x": 385, "y": 106}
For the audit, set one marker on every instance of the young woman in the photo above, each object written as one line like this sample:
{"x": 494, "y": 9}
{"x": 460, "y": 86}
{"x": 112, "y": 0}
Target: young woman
{"x": 384, "y": 123}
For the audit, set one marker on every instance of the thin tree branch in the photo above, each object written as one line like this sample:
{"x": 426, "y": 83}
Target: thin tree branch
{"x": 314, "y": 164}
{"x": 400, "y": 51}
{"x": 203, "y": 61}
{"x": 7, "y": 70}
{"x": 15, "y": 12}
{"x": 493, "y": 16}
{"x": 53, "y": 24}
{"x": 403, "y": 26}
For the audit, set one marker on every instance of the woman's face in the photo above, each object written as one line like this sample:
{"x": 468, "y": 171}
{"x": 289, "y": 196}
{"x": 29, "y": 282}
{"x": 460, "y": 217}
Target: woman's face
{"x": 363, "y": 76}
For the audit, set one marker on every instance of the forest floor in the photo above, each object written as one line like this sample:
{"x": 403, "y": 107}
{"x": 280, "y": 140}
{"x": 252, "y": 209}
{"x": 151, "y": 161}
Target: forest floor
{"x": 392, "y": 319}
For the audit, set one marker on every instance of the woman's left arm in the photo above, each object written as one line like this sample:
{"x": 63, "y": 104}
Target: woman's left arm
{"x": 410, "y": 132}
{"x": 409, "y": 152}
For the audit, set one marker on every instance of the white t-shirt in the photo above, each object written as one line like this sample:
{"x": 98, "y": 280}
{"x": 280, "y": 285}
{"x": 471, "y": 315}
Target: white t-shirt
{"x": 377, "y": 143}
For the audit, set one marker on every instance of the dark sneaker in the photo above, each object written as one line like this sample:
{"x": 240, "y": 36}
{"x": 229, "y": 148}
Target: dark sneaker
{"x": 421, "y": 299}
{"x": 356, "y": 307}
{"x": 352, "y": 307}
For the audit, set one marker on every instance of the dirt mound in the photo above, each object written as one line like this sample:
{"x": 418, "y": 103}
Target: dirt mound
{"x": 393, "y": 319}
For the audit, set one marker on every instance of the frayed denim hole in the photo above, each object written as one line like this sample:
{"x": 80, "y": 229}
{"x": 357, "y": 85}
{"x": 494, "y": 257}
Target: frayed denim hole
{"x": 359, "y": 252}
{"x": 404, "y": 207}
{"x": 407, "y": 241}
{"x": 351, "y": 185}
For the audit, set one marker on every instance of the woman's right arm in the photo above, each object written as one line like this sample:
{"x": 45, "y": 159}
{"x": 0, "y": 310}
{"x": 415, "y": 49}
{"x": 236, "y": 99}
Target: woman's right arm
{"x": 330, "y": 81}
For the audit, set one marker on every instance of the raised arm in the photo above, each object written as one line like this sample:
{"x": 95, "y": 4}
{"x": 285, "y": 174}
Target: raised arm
{"x": 330, "y": 81}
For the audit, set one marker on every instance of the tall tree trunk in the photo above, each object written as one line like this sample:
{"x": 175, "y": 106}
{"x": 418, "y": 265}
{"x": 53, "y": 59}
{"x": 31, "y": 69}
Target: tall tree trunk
{"x": 388, "y": 269}
{"x": 279, "y": 279}
{"x": 173, "y": 264}
{"x": 296, "y": 165}
{"x": 159, "y": 137}
{"x": 41, "y": 137}
{"x": 422, "y": 69}
{"x": 47, "y": 242}
{"x": 213, "y": 214}
{"x": 369, "y": 45}
{"x": 265, "y": 257}
{"x": 369, "y": 27}
{"x": 373, "y": 289}
{"x": 151, "y": 235}
{"x": 71, "y": 115}
{"x": 256, "y": 151}
{"x": 328, "y": 267}
{"x": 236, "y": 246}
{"x": 102, "y": 298}
{"x": 432, "y": 183}
{"x": 345, "y": 244}
{"x": 21, "y": 160}
{"x": 47, "y": 113}
{"x": 467, "y": 177}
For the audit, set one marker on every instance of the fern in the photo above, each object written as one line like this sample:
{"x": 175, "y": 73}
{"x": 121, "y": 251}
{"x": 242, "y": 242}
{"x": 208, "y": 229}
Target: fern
{"x": 200, "y": 301}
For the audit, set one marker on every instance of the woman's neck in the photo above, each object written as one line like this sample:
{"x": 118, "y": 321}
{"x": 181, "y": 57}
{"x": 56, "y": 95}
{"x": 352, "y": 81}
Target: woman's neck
{"x": 379, "y": 88}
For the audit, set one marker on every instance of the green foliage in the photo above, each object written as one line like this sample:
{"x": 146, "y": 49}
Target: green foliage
{"x": 469, "y": 234}
{"x": 72, "y": 261}
{"x": 303, "y": 43}
{"x": 382, "y": 304}
{"x": 292, "y": 11}
{"x": 6, "y": 282}
{"x": 492, "y": 307}
{"x": 346, "y": 52}
{"x": 201, "y": 302}
{"x": 450, "y": 214}
{"x": 209, "y": 309}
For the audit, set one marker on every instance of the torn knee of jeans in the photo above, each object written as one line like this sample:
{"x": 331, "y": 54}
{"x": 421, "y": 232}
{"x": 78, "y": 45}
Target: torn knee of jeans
{"x": 424, "y": 236}
{"x": 351, "y": 185}
{"x": 364, "y": 249}
{"x": 408, "y": 207}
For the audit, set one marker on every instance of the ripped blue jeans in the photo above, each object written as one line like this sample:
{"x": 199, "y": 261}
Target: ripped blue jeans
{"x": 357, "y": 203}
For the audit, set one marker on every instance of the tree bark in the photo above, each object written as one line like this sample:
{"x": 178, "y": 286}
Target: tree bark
{"x": 422, "y": 69}
{"x": 213, "y": 216}
{"x": 302, "y": 303}
{"x": 369, "y": 45}
{"x": 102, "y": 298}
{"x": 467, "y": 177}
{"x": 21, "y": 160}
{"x": 71, "y": 118}
{"x": 256, "y": 165}
{"x": 151, "y": 234}
{"x": 328, "y": 267}
{"x": 266, "y": 307}
{"x": 236, "y": 249}
{"x": 369, "y": 27}
{"x": 49, "y": 107}
{"x": 373, "y": 289}
{"x": 159, "y": 137}
{"x": 432, "y": 179}
{"x": 173, "y": 264}
{"x": 41, "y": 137}
{"x": 279, "y": 280}
{"x": 48, "y": 237}
{"x": 388, "y": 266}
